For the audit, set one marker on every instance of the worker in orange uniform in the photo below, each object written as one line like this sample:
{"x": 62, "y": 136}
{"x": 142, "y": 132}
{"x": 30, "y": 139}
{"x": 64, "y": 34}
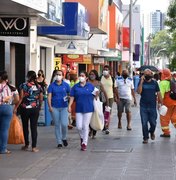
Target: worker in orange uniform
{"x": 165, "y": 87}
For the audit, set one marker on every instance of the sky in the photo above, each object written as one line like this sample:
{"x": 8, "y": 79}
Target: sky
{"x": 151, "y": 5}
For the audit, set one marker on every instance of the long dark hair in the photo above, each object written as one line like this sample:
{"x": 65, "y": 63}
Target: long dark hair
{"x": 96, "y": 74}
{"x": 53, "y": 75}
{"x": 4, "y": 77}
{"x": 32, "y": 77}
{"x": 41, "y": 72}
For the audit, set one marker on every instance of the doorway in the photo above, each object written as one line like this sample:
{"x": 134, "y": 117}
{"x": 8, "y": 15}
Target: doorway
{"x": 2, "y": 55}
{"x": 17, "y": 63}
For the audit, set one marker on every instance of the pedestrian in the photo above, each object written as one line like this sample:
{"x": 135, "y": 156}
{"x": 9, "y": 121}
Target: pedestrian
{"x": 73, "y": 80}
{"x": 150, "y": 93}
{"x": 58, "y": 93}
{"x": 117, "y": 75}
{"x": 42, "y": 81}
{"x": 125, "y": 89}
{"x": 82, "y": 94}
{"x": 8, "y": 96}
{"x": 31, "y": 98}
{"x": 67, "y": 77}
{"x": 111, "y": 89}
{"x": 165, "y": 88}
{"x": 95, "y": 81}
{"x": 67, "y": 80}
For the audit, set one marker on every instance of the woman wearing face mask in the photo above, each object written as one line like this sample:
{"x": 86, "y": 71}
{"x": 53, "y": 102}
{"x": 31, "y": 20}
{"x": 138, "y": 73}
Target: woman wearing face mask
{"x": 58, "y": 92}
{"x": 82, "y": 94}
{"x": 95, "y": 81}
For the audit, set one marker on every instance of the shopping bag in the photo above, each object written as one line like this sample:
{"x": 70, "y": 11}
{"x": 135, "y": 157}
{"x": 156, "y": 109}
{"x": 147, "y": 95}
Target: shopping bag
{"x": 15, "y": 131}
{"x": 97, "y": 119}
{"x": 107, "y": 114}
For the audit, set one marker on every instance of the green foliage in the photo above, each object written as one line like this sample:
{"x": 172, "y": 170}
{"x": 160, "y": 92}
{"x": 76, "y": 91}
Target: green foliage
{"x": 171, "y": 13}
{"x": 161, "y": 40}
{"x": 172, "y": 65}
{"x": 171, "y": 23}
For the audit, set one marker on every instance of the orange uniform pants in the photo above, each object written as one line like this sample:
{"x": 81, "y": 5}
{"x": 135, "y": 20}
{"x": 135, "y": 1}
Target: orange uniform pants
{"x": 165, "y": 120}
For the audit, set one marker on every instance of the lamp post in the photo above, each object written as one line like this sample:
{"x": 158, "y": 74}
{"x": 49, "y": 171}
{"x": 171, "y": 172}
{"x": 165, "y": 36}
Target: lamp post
{"x": 131, "y": 38}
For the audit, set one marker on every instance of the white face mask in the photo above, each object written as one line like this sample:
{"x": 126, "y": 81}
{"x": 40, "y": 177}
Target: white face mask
{"x": 58, "y": 78}
{"x": 105, "y": 73}
{"x": 82, "y": 79}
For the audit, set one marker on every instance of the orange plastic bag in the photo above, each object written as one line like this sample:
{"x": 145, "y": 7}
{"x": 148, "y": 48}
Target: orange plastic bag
{"x": 15, "y": 131}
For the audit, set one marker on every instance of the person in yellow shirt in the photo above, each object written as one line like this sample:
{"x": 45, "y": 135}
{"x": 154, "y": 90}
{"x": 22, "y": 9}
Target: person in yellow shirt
{"x": 110, "y": 87}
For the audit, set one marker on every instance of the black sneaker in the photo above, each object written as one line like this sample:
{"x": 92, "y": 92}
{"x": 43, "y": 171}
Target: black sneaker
{"x": 59, "y": 145}
{"x": 65, "y": 143}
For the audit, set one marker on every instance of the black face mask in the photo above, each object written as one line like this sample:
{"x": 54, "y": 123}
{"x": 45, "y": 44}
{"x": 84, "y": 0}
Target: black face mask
{"x": 125, "y": 76}
{"x": 148, "y": 77}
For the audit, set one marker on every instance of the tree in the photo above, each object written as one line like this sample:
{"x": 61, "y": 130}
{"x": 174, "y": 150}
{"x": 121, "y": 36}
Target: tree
{"x": 171, "y": 23}
{"x": 161, "y": 40}
{"x": 171, "y": 14}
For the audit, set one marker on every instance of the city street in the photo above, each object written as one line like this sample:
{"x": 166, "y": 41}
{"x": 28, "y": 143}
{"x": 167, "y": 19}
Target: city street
{"x": 117, "y": 156}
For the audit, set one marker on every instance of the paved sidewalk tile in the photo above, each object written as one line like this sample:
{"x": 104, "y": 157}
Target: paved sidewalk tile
{"x": 117, "y": 156}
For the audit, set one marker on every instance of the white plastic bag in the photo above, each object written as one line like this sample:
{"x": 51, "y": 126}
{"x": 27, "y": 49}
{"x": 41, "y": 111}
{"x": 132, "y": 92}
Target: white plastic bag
{"x": 97, "y": 120}
{"x": 163, "y": 110}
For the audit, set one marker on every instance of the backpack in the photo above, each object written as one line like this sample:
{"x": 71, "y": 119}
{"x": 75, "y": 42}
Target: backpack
{"x": 173, "y": 89}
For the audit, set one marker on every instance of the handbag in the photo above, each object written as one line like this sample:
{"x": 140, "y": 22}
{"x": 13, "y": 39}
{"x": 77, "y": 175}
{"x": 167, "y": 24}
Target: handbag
{"x": 97, "y": 119}
{"x": 15, "y": 131}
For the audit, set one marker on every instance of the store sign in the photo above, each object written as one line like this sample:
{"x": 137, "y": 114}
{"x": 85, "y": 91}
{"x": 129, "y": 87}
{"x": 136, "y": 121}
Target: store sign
{"x": 98, "y": 60}
{"x": 14, "y": 26}
{"x": 72, "y": 47}
{"x": 57, "y": 63}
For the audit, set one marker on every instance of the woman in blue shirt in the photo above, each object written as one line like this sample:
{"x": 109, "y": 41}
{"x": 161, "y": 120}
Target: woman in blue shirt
{"x": 82, "y": 94}
{"x": 58, "y": 92}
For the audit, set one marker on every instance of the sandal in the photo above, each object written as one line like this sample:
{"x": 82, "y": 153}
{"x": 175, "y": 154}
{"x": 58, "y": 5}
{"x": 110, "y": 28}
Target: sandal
{"x": 129, "y": 128}
{"x": 25, "y": 148}
{"x": 35, "y": 150}
{"x": 6, "y": 152}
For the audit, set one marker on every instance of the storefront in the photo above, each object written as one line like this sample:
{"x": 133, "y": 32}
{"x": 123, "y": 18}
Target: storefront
{"x": 15, "y": 19}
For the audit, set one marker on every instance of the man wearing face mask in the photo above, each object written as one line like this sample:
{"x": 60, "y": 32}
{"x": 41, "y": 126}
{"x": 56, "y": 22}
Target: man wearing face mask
{"x": 110, "y": 87}
{"x": 149, "y": 90}
{"x": 125, "y": 88}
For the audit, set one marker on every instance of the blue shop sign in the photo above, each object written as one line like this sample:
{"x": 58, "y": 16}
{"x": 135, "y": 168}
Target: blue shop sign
{"x": 75, "y": 19}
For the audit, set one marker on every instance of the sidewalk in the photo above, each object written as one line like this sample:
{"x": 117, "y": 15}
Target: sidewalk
{"x": 117, "y": 156}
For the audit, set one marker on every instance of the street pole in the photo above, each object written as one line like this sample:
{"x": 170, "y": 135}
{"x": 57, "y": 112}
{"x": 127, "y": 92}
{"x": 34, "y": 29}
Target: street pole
{"x": 131, "y": 38}
{"x": 149, "y": 55}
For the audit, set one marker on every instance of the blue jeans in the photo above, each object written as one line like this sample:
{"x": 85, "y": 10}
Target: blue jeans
{"x": 60, "y": 117}
{"x": 148, "y": 115}
{"x": 5, "y": 118}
